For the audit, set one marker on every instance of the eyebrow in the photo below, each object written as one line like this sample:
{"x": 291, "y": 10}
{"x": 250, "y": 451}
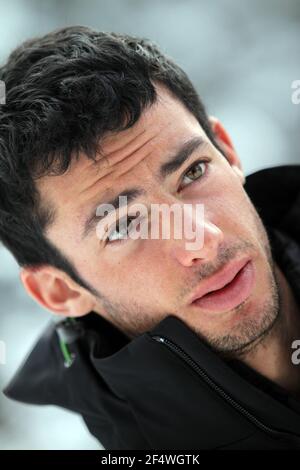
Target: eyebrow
{"x": 167, "y": 168}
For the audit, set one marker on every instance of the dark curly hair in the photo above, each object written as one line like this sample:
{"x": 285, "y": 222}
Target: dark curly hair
{"x": 64, "y": 91}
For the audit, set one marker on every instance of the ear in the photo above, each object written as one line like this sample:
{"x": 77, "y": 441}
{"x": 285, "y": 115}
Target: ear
{"x": 55, "y": 291}
{"x": 224, "y": 141}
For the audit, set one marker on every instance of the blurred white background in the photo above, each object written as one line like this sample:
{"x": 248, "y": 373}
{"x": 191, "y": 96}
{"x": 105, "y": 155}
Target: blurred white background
{"x": 242, "y": 57}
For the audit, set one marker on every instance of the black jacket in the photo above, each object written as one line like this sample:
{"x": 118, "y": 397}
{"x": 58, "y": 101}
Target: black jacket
{"x": 166, "y": 389}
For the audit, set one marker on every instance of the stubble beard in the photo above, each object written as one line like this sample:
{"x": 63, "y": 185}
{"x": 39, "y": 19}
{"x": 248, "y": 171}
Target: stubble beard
{"x": 252, "y": 330}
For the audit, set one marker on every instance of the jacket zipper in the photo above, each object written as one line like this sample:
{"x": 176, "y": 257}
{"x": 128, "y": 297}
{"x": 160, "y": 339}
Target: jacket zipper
{"x": 188, "y": 360}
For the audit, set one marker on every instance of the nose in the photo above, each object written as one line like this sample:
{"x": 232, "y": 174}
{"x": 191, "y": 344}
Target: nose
{"x": 206, "y": 249}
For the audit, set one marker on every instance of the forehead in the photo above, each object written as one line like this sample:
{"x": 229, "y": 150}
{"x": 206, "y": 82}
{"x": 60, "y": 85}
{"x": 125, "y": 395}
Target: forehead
{"x": 158, "y": 131}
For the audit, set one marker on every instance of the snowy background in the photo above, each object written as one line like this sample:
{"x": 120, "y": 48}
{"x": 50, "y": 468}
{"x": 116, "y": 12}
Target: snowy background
{"x": 242, "y": 57}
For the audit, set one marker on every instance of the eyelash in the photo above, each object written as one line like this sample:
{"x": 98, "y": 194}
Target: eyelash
{"x": 193, "y": 166}
{"x": 130, "y": 219}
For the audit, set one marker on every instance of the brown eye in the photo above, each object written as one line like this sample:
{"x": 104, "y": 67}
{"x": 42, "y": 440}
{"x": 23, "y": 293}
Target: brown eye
{"x": 194, "y": 173}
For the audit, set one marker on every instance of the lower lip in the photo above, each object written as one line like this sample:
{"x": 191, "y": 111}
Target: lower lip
{"x": 232, "y": 295}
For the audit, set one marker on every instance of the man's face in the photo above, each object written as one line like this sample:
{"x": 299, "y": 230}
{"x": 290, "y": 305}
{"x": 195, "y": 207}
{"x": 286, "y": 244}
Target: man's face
{"x": 141, "y": 281}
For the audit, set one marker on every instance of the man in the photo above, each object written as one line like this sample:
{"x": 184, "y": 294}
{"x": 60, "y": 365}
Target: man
{"x": 159, "y": 345}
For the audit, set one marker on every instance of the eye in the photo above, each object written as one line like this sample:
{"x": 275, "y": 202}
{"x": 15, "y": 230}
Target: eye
{"x": 121, "y": 232}
{"x": 195, "y": 172}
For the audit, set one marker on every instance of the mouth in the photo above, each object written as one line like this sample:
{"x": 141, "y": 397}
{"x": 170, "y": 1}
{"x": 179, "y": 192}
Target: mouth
{"x": 227, "y": 290}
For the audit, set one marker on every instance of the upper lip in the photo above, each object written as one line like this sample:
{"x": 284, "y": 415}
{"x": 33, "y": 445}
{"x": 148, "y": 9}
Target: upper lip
{"x": 221, "y": 278}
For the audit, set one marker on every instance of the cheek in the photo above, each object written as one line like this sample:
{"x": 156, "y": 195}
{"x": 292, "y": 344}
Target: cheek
{"x": 237, "y": 217}
{"x": 143, "y": 274}
{"x": 223, "y": 195}
{"x": 227, "y": 206}
{"x": 233, "y": 193}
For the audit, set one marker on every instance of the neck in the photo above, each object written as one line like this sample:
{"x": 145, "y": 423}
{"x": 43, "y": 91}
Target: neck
{"x": 272, "y": 356}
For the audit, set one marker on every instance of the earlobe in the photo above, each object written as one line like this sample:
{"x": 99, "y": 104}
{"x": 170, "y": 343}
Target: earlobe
{"x": 83, "y": 305}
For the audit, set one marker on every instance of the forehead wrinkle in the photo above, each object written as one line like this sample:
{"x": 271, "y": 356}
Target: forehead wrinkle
{"x": 113, "y": 153}
{"x": 119, "y": 164}
{"x": 107, "y": 156}
{"x": 107, "y": 183}
{"x": 109, "y": 141}
{"x": 125, "y": 166}
{"x": 104, "y": 155}
{"x": 119, "y": 153}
